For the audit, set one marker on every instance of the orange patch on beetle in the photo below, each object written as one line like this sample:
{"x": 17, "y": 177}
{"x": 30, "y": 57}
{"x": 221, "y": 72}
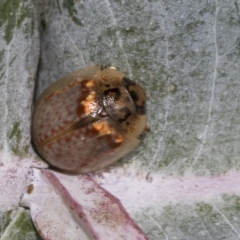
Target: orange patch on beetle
{"x": 108, "y": 132}
{"x": 87, "y": 102}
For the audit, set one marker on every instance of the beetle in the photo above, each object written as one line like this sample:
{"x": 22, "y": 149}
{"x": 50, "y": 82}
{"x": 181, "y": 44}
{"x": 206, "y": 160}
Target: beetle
{"x": 89, "y": 119}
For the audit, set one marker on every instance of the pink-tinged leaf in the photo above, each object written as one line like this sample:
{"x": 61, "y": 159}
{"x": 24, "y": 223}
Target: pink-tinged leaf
{"x": 13, "y": 179}
{"x": 76, "y": 207}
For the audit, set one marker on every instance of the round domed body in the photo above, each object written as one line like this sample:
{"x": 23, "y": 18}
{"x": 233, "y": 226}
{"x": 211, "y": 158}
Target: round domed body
{"x": 88, "y": 119}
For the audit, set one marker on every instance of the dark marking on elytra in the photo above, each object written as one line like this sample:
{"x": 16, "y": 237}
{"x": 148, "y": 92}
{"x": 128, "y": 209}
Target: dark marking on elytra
{"x": 134, "y": 95}
{"x": 126, "y": 116}
{"x": 128, "y": 82}
{"x": 141, "y": 109}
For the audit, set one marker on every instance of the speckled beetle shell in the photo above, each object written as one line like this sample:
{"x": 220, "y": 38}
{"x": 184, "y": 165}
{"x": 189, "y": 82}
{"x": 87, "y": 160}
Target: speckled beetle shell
{"x": 88, "y": 119}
